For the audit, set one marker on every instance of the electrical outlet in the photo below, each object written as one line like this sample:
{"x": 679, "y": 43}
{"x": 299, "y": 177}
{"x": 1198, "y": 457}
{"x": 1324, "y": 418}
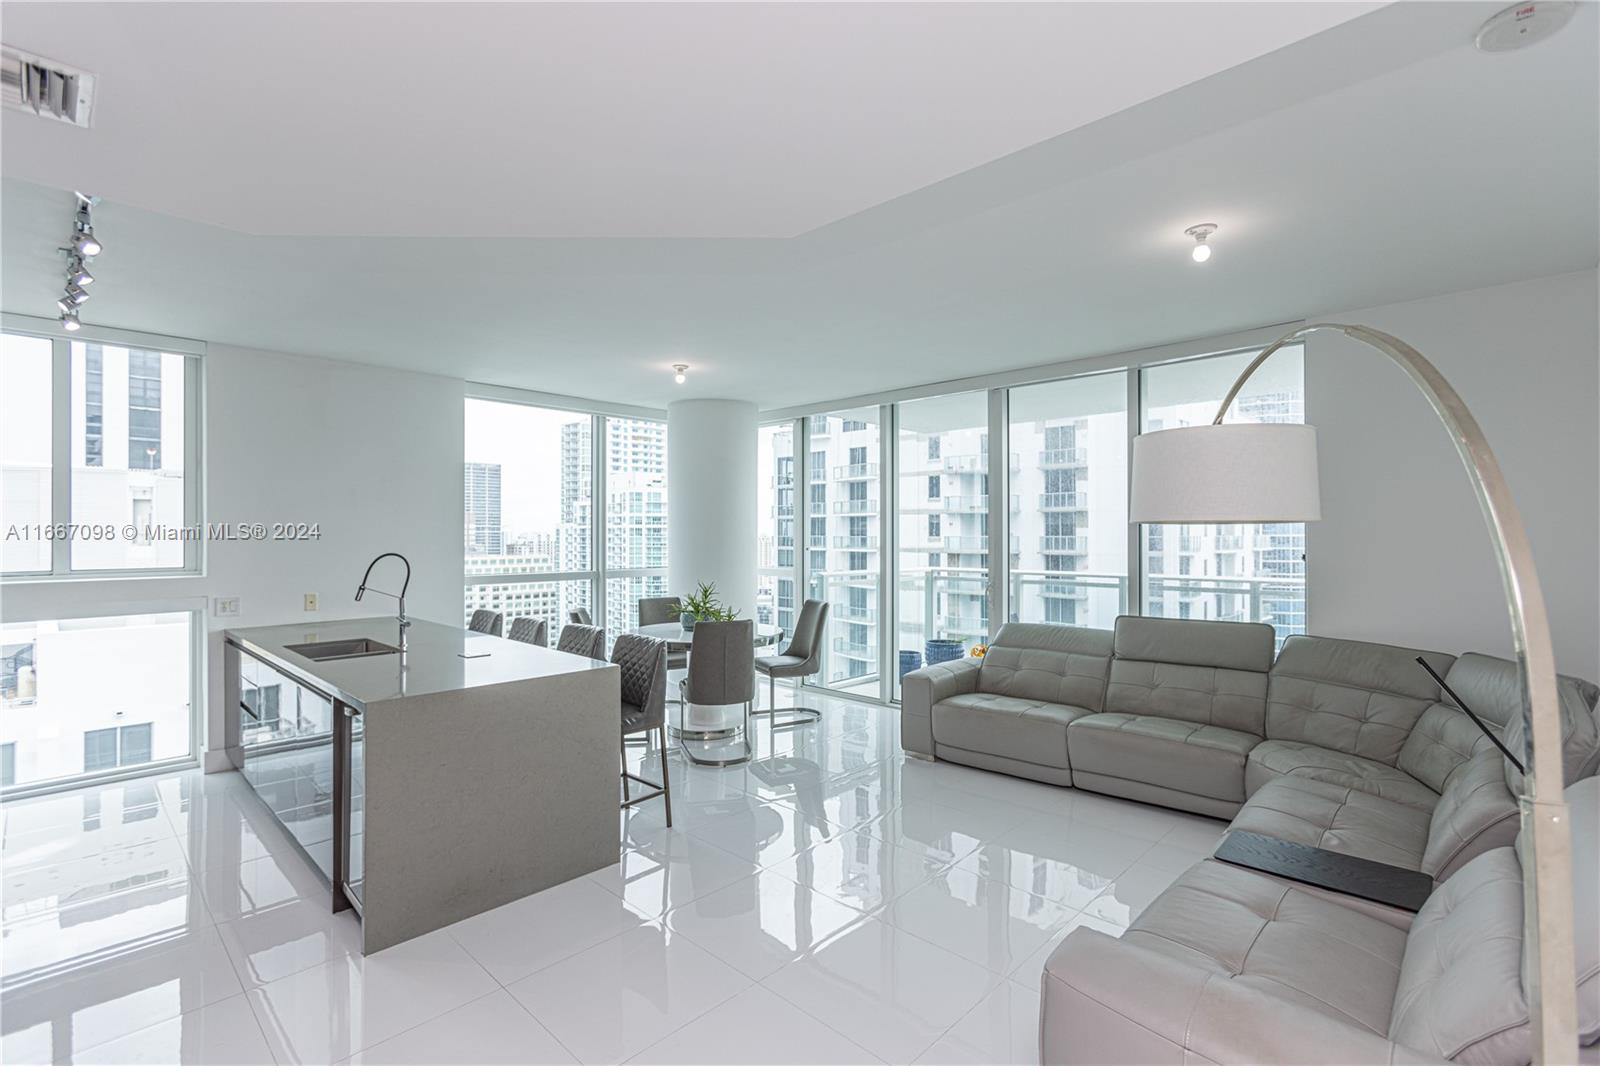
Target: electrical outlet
{"x": 311, "y": 601}
{"x": 226, "y": 606}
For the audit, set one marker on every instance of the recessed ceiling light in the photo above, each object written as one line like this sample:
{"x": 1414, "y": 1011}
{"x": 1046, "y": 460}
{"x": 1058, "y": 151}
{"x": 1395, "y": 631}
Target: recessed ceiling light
{"x": 1201, "y": 250}
{"x": 680, "y": 372}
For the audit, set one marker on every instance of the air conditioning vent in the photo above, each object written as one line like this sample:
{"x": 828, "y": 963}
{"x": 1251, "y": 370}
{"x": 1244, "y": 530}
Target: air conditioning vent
{"x": 44, "y": 87}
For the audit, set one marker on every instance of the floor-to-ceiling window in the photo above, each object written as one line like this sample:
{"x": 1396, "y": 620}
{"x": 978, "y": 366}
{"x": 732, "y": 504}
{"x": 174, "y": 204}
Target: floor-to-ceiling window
{"x": 532, "y": 545}
{"x": 1239, "y": 572}
{"x": 776, "y": 600}
{"x": 99, "y": 449}
{"x": 843, "y": 563}
{"x": 1070, "y": 534}
{"x": 943, "y": 553}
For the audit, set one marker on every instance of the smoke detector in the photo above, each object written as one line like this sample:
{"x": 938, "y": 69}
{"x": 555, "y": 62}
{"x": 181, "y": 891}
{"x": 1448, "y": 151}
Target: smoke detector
{"x": 1523, "y": 24}
{"x": 44, "y": 87}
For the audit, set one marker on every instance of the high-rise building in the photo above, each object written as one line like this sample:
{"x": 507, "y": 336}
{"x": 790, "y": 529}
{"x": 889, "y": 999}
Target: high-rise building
{"x": 482, "y": 510}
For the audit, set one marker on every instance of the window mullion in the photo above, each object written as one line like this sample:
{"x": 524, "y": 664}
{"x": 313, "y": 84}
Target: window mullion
{"x": 1135, "y": 423}
{"x": 60, "y": 451}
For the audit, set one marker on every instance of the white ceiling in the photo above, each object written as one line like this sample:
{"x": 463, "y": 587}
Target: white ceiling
{"x": 592, "y": 120}
{"x": 1380, "y": 160}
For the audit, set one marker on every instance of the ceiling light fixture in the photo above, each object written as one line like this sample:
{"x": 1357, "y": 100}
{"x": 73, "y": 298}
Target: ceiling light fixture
{"x": 1201, "y": 250}
{"x": 1522, "y": 24}
{"x": 680, "y": 372}
{"x": 82, "y": 247}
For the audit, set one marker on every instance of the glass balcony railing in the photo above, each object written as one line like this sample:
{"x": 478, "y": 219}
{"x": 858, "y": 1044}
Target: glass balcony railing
{"x": 855, "y": 541}
{"x": 978, "y": 464}
{"x": 1075, "y": 545}
{"x": 854, "y": 649}
{"x": 976, "y": 544}
{"x": 1064, "y": 501}
{"x": 856, "y": 472}
{"x": 1056, "y": 458}
{"x": 855, "y": 506}
{"x": 976, "y": 504}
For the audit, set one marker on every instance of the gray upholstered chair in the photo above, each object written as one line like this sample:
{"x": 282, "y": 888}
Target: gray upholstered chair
{"x": 582, "y": 640}
{"x": 489, "y": 622}
{"x": 801, "y": 658}
{"x": 581, "y": 616}
{"x": 530, "y": 631}
{"x": 643, "y": 661}
{"x": 721, "y": 674}
{"x": 656, "y": 610}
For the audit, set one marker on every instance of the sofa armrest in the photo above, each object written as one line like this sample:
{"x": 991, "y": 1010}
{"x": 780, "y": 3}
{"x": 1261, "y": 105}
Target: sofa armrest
{"x": 921, "y": 689}
{"x": 1111, "y": 1001}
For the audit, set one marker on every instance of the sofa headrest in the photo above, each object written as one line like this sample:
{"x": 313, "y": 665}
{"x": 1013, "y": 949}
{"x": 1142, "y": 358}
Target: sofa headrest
{"x": 1191, "y": 642}
{"x": 1043, "y": 636}
{"x": 1358, "y": 664}
{"x": 1492, "y": 687}
{"x": 1580, "y": 731}
{"x": 1583, "y": 804}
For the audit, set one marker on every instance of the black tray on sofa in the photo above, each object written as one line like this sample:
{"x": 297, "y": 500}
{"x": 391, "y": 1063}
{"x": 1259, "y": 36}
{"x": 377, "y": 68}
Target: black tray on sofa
{"x": 1347, "y": 874}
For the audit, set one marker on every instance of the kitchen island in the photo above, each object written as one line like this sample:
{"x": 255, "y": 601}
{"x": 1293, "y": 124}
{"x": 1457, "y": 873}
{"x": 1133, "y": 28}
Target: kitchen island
{"x": 430, "y": 775}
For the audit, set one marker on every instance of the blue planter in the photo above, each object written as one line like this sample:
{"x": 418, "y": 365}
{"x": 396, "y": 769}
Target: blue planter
{"x": 942, "y": 651}
{"x": 909, "y": 661}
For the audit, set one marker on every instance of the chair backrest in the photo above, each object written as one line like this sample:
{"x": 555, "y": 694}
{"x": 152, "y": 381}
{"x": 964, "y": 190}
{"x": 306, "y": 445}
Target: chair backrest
{"x": 581, "y": 616}
{"x": 530, "y": 631}
{"x": 806, "y": 643}
{"x": 489, "y": 622}
{"x": 722, "y": 663}
{"x": 654, "y": 610}
{"x": 1052, "y": 663}
{"x": 1212, "y": 673}
{"x": 1462, "y": 992}
{"x": 580, "y": 639}
{"x": 1351, "y": 696}
{"x": 643, "y": 661}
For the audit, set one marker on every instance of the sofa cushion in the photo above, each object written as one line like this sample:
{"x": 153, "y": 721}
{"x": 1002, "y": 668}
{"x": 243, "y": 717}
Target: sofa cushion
{"x": 1350, "y": 696}
{"x": 1030, "y": 730}
{"x": 1580, "y": 737}
{"x": 1047, "y": 663}
{"x": 1202, "y": 760}
{"x": 1442, "y": 740}
{"x": 1460, "y": 992}
{"x": 1213, "y": 673}
{"x": 1283, "y": 758}
{"x": 1278, "y": 938}
{"x": 1337, "y": 818}
{"x": 1476, "y": 812}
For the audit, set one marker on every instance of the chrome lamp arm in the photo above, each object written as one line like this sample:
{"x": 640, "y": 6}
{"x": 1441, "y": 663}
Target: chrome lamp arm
{"x": 1547, "y": 882}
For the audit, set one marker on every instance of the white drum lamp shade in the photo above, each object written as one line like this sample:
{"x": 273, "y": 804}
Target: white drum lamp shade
{"x": 1235, "y": 472}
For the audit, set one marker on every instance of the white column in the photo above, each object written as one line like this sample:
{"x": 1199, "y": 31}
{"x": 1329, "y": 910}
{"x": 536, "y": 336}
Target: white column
{"x": 711, "y": 492}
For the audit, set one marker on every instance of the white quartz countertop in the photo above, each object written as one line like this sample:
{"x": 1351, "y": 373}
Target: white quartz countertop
{"x": 438, "y": 658}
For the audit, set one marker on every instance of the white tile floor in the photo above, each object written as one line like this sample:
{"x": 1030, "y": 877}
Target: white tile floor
{"x": 830, "y": 902}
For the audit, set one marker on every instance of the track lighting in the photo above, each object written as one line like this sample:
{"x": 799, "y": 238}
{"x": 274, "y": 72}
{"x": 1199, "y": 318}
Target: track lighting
{"x": 680, "y": 372}
{"x": 1201, "y": 250}
{"x": 82, "y": 247}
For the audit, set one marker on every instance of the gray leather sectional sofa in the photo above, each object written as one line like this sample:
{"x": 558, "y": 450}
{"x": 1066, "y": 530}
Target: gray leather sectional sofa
{"x": 1342, "y": 745}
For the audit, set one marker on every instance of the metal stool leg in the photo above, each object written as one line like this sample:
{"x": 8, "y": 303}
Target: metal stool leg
{"x": 799, "y": 715}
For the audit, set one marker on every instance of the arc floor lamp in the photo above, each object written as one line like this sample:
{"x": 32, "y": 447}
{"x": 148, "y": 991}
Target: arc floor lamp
{"x": 1267, "y": 472}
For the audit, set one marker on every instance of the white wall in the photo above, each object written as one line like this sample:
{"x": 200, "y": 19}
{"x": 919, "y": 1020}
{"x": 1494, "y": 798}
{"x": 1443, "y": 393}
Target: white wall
{"x": 1402, "y": 554}
{"x": 373, "y": 456}
{"x": 711, "y": 489}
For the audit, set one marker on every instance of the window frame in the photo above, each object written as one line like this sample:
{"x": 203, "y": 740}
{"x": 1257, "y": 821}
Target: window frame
{"x": 599, "y": 573}
{"x": 193, "y": 353}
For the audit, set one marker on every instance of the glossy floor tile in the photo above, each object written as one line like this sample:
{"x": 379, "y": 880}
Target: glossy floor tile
{"x": 830, "y": 901}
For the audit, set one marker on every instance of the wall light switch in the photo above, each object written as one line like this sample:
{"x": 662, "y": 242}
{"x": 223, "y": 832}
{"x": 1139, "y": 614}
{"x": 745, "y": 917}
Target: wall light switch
{"x": 311, "y": 601}
{"x": 226, "y": 606}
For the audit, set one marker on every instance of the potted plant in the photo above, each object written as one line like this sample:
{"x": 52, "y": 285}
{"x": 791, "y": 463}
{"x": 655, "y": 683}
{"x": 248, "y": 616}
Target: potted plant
{"x": 702, "y": 605}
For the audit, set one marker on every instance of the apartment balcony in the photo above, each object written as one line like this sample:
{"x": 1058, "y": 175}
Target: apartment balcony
{"x": 1232, "y": 542}
{"x": 851, "y": 649}
{"x": 853, "y": 612}
{"x": 976, "y": 504}
{"x": 976, "y": 544}
{"x": 1064, "y": 545}
{"x": 865, "y": 541}
{"x": 819, "y": 425}
{"x": 817, "y": 540}
{"x": 855, "y": 506}
{"x": 782, "y": 481}
{"x": 1064, "y": 501}
{"x": 978, "y": 464}
{"x": 856, "y": 472}
{"x": 783, "y": 510}
{"x": 1063, "y": 590}
{"x": 1060, "y": 458}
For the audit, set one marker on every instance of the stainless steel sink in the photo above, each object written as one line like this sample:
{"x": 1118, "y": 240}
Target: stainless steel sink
{"x": 324, "y": 650}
